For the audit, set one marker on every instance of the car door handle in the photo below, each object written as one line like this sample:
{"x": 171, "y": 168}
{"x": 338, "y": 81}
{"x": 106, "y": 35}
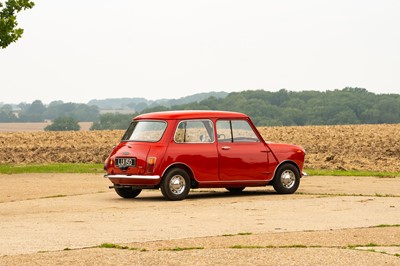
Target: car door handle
{"x": 226, "y": 147}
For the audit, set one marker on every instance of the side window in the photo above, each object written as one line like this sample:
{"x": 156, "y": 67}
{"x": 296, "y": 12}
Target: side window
{"x": 194, "y": 131}
{"x": 224, "y": 131}
{"x": 242, "y": 132}
{"x": 235, "y": 131}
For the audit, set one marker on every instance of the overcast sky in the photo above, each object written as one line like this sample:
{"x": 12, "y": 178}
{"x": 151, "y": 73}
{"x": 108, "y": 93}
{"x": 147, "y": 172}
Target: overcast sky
{"x": 95, "y": 49}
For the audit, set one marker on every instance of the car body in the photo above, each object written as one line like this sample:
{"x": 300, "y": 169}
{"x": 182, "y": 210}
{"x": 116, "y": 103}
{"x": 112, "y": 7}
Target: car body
{"x": 179, "y": 150}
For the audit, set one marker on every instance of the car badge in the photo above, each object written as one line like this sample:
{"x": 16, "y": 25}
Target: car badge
{"x": 125, "y": 153}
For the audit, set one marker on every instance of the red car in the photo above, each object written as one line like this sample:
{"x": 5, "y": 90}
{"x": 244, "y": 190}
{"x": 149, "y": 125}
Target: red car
{"x": 179, "y": 150}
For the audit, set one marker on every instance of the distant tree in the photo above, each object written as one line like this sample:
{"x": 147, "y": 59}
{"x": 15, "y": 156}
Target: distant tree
{"x": 9, "y": 32}
{"x": 156, "y": 109}
{"x": 63, "y": 123}
{"x": 55, "y": 103}
{"x": 37, "y": 107}
{"x": 140, "y": 107}
{"x": 33, "y": 112}
{"x": 389, "y": 110}
{"x": 212, "y": 103}
{"x": 110, "y": 121}
{"x": 80, "y": 112}
{"x": 6, "y": 114}
{"x": 6, "y": 108}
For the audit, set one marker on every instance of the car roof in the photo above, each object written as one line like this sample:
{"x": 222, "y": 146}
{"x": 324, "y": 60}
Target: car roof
{"x": 190, "y": 114}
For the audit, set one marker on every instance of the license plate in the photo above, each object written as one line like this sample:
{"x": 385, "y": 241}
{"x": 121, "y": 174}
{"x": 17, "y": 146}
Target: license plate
{"x": 125, "y": 162}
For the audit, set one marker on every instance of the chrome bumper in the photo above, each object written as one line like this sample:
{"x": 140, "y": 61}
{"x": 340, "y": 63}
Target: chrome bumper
{"x": 149, "y": 177}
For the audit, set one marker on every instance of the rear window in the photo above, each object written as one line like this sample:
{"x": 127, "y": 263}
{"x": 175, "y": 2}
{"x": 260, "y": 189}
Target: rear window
{"x": 146, "y": 131}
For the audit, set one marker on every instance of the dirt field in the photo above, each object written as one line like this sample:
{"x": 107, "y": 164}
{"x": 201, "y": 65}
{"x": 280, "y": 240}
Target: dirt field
{"x": 63, "y": 219}
{"x": 357, "y": 147}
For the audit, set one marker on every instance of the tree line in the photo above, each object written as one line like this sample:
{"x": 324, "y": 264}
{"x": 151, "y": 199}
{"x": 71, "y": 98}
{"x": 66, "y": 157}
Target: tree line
{"x": 281, "y": 108}
{"x": 288, "y": 108}
{"x": 38, "y": 112}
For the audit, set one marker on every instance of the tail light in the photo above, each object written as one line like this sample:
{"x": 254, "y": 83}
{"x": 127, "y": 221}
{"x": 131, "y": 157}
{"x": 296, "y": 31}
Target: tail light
{"x": 107, "y": 163}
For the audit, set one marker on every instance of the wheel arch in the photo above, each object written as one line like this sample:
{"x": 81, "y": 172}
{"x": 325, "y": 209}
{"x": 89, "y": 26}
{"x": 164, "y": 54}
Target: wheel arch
{"x": 184, "y": 167}
{"x": 287, "y": 162}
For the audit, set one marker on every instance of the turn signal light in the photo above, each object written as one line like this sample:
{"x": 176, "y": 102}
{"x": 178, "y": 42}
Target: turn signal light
{"x": 151, "y": 162}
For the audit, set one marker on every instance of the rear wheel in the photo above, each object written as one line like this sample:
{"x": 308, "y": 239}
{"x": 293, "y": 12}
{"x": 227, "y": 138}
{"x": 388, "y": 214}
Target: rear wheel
{"x": 175, "y": 185}
{"x": 128, "y": 192}
{"x": 235, "y": 190}
{"x": 287, "y": 179}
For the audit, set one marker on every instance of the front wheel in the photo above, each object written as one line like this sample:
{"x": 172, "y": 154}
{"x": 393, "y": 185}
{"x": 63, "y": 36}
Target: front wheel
{"x": 287, "y": 179}
{"x": 128, "y": 192}
{"x": 175, "y": 185}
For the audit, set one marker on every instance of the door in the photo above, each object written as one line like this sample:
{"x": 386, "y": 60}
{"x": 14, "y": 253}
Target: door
{"x": 194, "y": 146}
{"x": 242, "y": 155}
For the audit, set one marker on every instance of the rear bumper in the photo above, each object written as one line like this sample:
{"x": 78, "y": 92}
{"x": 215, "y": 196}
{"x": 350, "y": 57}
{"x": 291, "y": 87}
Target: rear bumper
{"x": 143, "y": 177}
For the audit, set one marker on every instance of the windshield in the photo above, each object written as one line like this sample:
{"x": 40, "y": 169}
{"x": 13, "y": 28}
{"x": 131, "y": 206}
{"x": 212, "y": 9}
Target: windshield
{"x": 148, "y": 131}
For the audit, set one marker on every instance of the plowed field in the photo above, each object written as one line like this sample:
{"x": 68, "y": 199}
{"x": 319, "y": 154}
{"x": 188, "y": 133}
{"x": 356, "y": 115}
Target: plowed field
{"x": 355, "y": 147}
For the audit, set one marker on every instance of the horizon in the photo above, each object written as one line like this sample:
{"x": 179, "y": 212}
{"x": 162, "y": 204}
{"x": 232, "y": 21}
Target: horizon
{"x": 160, "y": 99}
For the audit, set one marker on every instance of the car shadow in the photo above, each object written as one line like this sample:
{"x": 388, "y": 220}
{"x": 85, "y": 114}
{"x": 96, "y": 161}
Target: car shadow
{"x": 201, "y": 194}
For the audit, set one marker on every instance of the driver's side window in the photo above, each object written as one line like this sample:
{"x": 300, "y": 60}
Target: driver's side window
{"x": 235, "y": 131}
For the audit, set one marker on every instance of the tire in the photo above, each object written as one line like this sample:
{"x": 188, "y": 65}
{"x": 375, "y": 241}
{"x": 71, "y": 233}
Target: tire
{"x": 287, "y": 179}
{"x": 175, "y": 185}
{"x": 128, "y": 192}
{"x": 235, "y": 190}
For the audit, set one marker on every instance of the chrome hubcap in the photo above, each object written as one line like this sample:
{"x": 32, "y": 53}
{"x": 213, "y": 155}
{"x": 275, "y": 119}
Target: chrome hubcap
{"x": 177, "y": 184}
{"x": 288, "y": 179}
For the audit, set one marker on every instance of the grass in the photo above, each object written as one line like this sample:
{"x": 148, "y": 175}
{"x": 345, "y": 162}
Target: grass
{"x": 115, "y": 246}
{"x": 245, "y": 234}
{"x": 239, "y": 234}
{"x": 247, "y": 247}
{"x": 98, "y": 168}
{"x": 54, "y": 196}
{"x": 111, "y": 245}
{"x": 327, "y": 172}
{"x": 385, "y": 225}
{"x": 323, "y": 195}
{"x": 271, "y": 247}
{"x": 181, "y": 249}
{"x": 51, "y": 168}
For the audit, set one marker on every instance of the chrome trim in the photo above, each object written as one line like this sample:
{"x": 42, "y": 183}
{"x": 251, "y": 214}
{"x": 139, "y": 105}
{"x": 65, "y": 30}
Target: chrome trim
{"x": 288, "y": 179}
{"x": 304, "y": 173}
{"x": 150, "y": 177}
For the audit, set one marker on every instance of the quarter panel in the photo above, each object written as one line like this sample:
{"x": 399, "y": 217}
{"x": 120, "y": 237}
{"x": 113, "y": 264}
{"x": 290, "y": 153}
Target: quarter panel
{"x": 202, "y": 158}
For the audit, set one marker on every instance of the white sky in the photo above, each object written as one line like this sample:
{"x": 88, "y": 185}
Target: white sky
{"x": 95, "y": 49}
